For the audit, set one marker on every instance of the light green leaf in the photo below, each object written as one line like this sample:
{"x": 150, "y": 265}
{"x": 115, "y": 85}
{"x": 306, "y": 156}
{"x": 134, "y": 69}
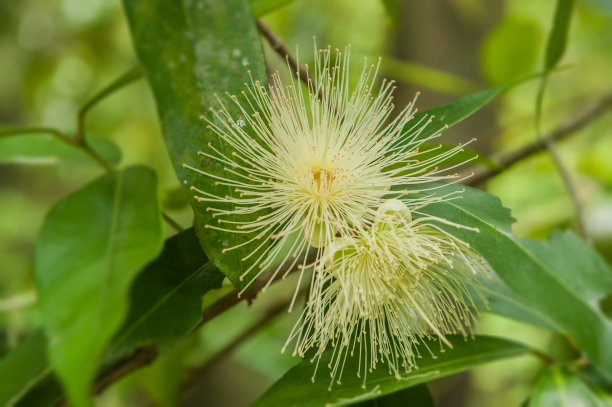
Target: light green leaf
{"x": 22, "y": 368}
{"x": 510, "y": 50}
{"x": 296, "y": 388}
{"x": 44, "y": 149}
{"x": 560, "y": 388}
{"x": 262, "y": 7}
{"x": 91, "y": 246}
{"x": 536, "y": 271}
{"x": 199, "y": 49}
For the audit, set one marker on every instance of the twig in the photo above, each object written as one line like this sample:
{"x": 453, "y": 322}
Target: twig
{"x": 144, "y": 356}
{"x": 279, "y": 46}
{"x": 121, "y": 81}
{"x": 80, "y": 144}
{"x": 573, "y": 125}
{"x": 195, "y": 374}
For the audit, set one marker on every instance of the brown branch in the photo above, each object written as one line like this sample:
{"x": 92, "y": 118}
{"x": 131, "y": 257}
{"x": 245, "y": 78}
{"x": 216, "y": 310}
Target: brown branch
{"x": 277, "y": 44}
{"x": 573, "y": 125}
{"x": 195, "y": 374}
{"x": 146, "y": 355}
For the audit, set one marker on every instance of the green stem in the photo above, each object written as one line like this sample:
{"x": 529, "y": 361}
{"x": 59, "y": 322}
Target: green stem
{"x": 128, "y": 77}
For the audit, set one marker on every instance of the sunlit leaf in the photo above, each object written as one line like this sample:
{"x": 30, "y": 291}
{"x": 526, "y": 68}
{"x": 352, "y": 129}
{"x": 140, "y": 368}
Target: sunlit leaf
{"x": 91, "y": 246}
{"x": 510, "y": 50}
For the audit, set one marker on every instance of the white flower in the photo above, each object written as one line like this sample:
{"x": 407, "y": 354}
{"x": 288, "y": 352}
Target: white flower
{"x": 315, "y": 161}
{"x": 387, "y": 288}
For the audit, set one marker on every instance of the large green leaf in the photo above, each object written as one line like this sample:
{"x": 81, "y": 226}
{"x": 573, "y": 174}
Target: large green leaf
{"x": 22, "y": 368}
{"x": 560, "y": 388}
{"x": 165, "y": 304}
{"x": 191, "y": 50}
{"x": 296, "y": 388}
{"x": 166, "y": 298}
{"x": 543, "y": 274}
{"x": 91, "y": 246}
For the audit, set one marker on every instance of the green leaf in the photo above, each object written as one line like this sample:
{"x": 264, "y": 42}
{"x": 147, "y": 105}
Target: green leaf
{"x": 510, "y": 50}
{"x": 537, "y": 271}
{"x": 165, "y": 305}
{"x": 558, "y": 387}
{"x": 45, "y": 149}
{"x": 262, "y": 7}
{"x": 166, "y": 298}
{"x": 91, "y": 246}
{"x": 199, "y": 49}
{"x": 453, "y": 113}
{"x": 557, "y": 40}
{"x": 22, "y": 368}
{"x": 503, "y": 301}
{"x": 296, "y": 387}
{"x": 417, "y": 396}
{"x": 431, "y": 152}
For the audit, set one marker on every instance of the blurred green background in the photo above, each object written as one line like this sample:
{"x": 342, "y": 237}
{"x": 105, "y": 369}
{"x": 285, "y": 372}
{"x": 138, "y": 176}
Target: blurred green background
{"x": 55, "y": 54}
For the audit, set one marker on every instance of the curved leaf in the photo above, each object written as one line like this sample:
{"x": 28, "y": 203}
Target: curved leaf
{"x": 558, "y": 387}
{"x": 296, "y": 388}
{"x": 543, "y": 274}
{"x": 22, "y": 368}
{"x": 92, "y": 244}
{"x": 198, "y": 49}
{"x": 166, "y": 298}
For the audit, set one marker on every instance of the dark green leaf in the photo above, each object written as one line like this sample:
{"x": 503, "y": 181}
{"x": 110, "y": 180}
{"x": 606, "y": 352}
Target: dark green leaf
{"x": 417, "y": 396}
{"x": 558, "y": 37}
{"x": 433, "y": 152}
{"x": 166, "y": 298}
{"x": 536, "y": 271}
{"x": 22, "y": 368}
{"x": 503, "y": 301}
{"x": 198, "y": 49}
{"x": 560, "y": 388}
{"x": 91, "y": 246}
{"x": 453, "y": 113}
{"x": 296, "y": 388}
{"x": 261, "y": 7}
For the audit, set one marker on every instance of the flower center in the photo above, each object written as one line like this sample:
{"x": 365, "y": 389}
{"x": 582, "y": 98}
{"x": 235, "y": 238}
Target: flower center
{"x": 323, "y": 179}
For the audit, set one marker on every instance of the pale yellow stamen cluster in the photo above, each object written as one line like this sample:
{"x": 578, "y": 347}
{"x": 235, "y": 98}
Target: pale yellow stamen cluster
{"x": 387, "y": 288}
{"x": 316, "y": 161}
